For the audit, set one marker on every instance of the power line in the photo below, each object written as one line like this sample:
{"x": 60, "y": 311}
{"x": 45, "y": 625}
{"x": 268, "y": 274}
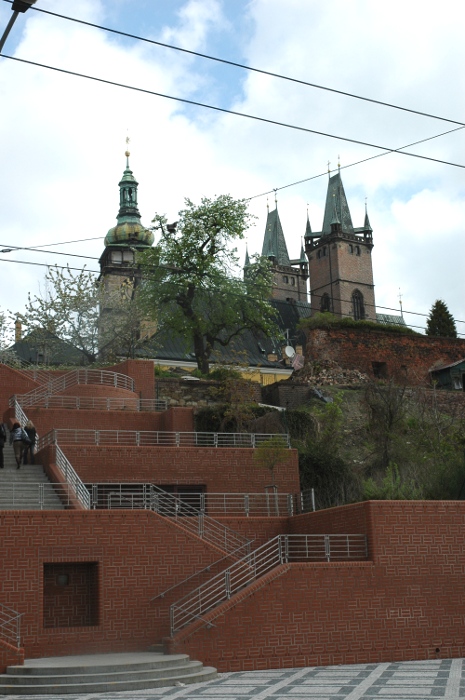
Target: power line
{"x": 248, "y": 68}
{"x": 233, "y": 112}
{"x": 351, "y": 165}
{"x": 36, "y": 249}
{"x": 84, "y": 269}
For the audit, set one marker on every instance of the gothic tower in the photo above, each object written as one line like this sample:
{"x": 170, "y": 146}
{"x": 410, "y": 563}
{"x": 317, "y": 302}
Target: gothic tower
{"x": 117, "y": 262}
{"x": 339, "y": 256}
{"x": 289, "y": 276}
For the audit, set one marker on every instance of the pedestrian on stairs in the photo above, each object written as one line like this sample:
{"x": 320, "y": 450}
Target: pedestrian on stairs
{"x": 30, "y": 430}
{"x": 2, "y": 442}
{"x": 16, "y": 437}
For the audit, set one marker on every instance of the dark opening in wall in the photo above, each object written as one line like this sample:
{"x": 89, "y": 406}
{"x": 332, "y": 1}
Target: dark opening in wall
{"x": 71, "y": 597}
{"x": 380, "y": 370}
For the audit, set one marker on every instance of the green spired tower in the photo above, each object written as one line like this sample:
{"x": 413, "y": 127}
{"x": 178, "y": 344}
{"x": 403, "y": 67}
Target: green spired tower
{"x": 118, "y": 270}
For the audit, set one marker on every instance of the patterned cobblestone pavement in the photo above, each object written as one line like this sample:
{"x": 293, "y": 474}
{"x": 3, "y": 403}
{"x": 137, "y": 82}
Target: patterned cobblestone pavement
{"x": 422, "y": 680}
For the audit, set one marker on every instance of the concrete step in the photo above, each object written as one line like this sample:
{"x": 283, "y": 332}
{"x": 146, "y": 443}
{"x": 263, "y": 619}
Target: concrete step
{"x": 102, "y": 673}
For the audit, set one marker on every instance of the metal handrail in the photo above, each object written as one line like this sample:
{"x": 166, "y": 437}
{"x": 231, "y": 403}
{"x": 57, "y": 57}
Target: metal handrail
{"x": 22, "y": 419}
{"x": 146, "y": 438}
{"x": 99, "y": 403}
{"x": 10, "y": 625}
{"x": 71, "y": 478}
{"x": 202, "y": 571}
{"x": 77, "y": 376}
{"x": 34, "y": 495}
{"x": 280, "y": 550}
{"x": 25, "y": 368}
{"x": 132, "y": 495}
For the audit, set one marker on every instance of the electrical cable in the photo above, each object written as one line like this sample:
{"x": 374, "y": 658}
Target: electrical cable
{"x": 37, "y": 249}
{"x": 351, "y": 165}
{"x": 248, "y": 68}
{"x": 233, "y": 112}
{"x": 315, "y": 295}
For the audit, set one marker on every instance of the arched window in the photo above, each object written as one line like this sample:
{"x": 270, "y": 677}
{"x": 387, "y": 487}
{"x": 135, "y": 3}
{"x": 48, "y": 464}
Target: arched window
{"x": 358, "y": 306}
{"x": 325, "y": 303}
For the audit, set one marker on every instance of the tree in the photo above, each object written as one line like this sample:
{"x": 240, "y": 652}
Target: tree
{"x": 188, "y": 284}
{"x": 440, "y": 321}
{"x": 271, "y": 453}
{"x": 69, "y": 310}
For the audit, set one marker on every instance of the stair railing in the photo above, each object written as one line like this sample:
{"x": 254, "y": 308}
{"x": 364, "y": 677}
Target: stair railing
{"x": 77, "y": 376}
{"x": 280, "y": 550}
{"x": 71, "y": 478}
{"x": 10, "y": 625}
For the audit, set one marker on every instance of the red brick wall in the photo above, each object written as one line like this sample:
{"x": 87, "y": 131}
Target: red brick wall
{"x": 358, "y": 349}
{"x": 407, "y": 603}
{"x": 12, "y": 382}
{"x": 10, "y": 656}
{"x": 221, "y": 470}
{"x": 142, "y": 371}
{"x": 179, "y": 420}
{"x": 46, "y": 419}
{"x": 139, "y": 555}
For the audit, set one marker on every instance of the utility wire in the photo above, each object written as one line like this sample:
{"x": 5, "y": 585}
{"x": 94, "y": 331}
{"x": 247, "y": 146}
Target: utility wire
{"x": 233, "y": 112}
{"x": 351, "y": 165}
{"x": 248, "y": 68}
{"x": 36, "y": 249}
{"x": 145, "y": 277}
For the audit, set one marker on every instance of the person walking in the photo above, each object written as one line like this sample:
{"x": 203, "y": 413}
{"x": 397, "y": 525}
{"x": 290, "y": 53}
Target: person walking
{"x": 30, "y": 431}
{"x": 2, "y": 442}
{"x": 16, "y": 438}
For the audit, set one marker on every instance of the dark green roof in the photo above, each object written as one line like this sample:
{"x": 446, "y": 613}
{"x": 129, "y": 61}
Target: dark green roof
{"x": 336, "y": 208}
{"x": 274, "y": 243}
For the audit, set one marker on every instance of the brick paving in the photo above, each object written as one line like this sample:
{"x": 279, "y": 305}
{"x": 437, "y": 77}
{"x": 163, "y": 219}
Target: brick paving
{"x": 420, "y": 680}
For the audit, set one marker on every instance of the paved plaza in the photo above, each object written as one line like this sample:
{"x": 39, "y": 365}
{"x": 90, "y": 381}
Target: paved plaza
{"x": 442, "y": 678}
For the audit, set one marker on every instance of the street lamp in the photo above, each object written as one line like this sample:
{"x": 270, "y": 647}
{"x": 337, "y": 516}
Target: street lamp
{"x": 17, "y": 7}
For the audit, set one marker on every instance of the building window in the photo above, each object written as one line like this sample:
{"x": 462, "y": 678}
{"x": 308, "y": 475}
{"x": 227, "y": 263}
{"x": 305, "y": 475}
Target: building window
{"x": 358, "y": 306}
{"x": 286, "y": 279}
{"x": 324, "y": 251}
{"x": 128, "y": 256}
{"x": 325, "y": 304}
{"x": 293, "y": 281}
{"x": 116, "y": 257}
{"x": 351, "y": 248}
{"x": 357, "y": 250}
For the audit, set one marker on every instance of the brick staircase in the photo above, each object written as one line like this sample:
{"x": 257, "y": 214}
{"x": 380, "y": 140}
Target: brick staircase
{"x": 102, "y": 673}
{"x": 27, "y": 488}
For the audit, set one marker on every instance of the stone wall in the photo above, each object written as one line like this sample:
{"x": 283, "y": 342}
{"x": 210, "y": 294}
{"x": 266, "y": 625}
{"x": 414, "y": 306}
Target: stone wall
{"x": 183, "y": 392}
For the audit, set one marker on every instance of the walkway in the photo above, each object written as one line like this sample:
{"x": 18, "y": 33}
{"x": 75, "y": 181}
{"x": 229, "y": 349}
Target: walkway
{"x": 423, "y": 680}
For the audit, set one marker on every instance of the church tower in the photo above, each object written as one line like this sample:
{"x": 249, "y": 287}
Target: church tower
{"x": 289, "y": 276}
{"x": 339, "y": 257}
{"x": 117, "y": 262}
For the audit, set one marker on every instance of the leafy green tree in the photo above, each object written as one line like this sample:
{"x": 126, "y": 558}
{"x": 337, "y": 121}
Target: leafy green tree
{"x": 271, "y": 453}
{"x": 68, "y": 309}
{"x": 440, "y": 321}
{"x": 188, "y": 283}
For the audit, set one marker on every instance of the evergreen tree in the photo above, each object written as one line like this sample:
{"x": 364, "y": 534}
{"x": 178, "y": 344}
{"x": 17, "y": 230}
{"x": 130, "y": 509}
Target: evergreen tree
{"x": 440, "y": 321}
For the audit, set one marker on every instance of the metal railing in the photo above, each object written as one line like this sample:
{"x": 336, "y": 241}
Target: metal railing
{"x": 153, "y": 498}
{"x": 98, "y": 403}
{"x": 10, "y": 625}
{"x": 71, "y": 478}
{"x": 280, "y": 550}
{"x": 134, "y": 496}
{"x": 36, "y": 496}
{"x": 22, "y": 419}
{"x": 27, "y": 369}
{"x": 139, "y": 438}
{"x": 77, "y": 376}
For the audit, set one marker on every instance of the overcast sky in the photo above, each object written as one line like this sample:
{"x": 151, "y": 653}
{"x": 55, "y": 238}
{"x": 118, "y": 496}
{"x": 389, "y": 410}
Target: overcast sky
{"x": 63, "y": 137}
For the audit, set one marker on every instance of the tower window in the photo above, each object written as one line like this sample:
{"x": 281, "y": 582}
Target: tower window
{"x": 351, "y": 248}
{"x": 357, "y": 250}
{"x": 286, "y": 279}
{"x": 116, "y": 257}
{"x": 293, "y": 281}
{"x": 325, "y": 303}
{"x": 358, "y": 305}
{"x": 128, "y": 256}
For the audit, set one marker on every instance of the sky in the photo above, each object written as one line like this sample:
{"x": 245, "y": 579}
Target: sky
{"x": 63, "y": 137}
